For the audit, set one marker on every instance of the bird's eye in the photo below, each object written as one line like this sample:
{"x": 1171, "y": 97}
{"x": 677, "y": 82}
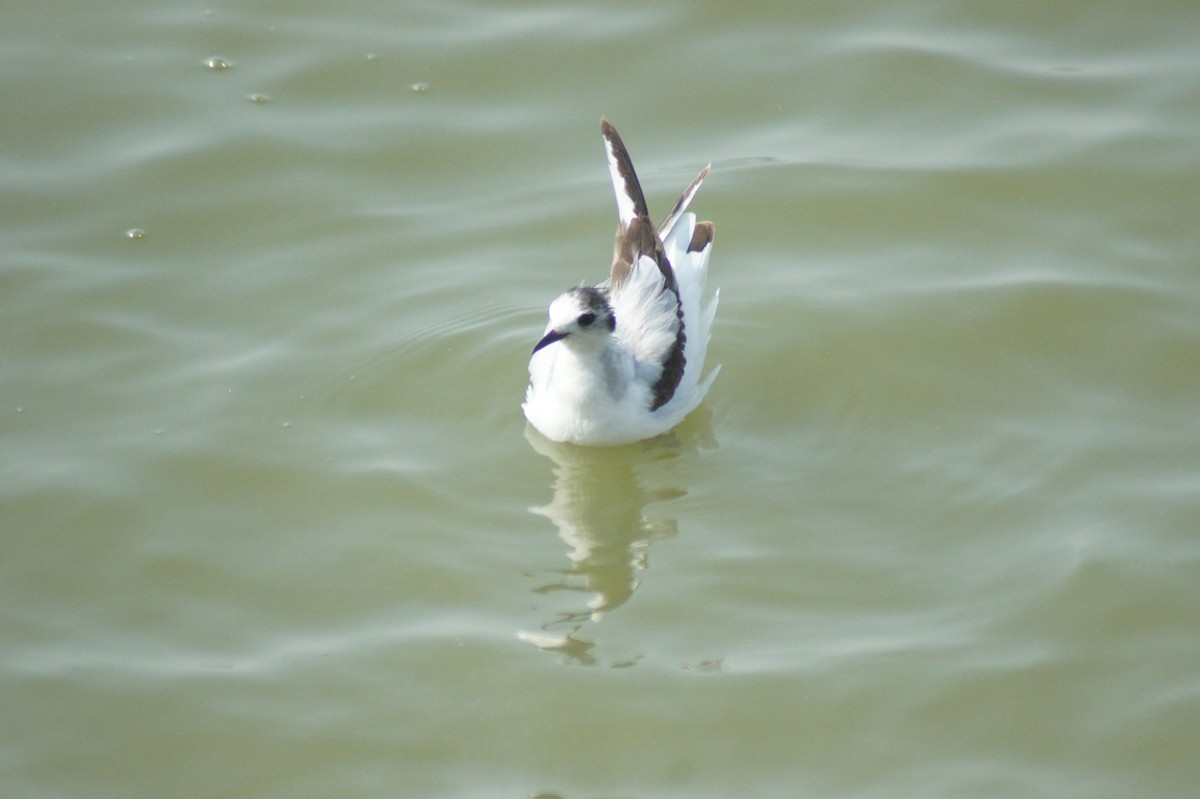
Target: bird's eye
{"x": 586, "y": 319}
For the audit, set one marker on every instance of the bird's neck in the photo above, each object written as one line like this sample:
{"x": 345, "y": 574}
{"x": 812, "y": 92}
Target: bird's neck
{"x": 583, "y": 375}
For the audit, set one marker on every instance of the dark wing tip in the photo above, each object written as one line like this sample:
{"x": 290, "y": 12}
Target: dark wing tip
{"x": 629, "y": 184}
{"x": 681, "y": 204}
{"x": 702, "y": 236}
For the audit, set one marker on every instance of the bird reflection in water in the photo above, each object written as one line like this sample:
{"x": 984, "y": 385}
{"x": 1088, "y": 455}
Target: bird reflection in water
{"x": 600, "y": 506}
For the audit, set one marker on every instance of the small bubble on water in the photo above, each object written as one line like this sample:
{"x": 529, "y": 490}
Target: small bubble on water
{"x": 218, "y": 64}
{"x": 420, "y": 88}
{"x": 135, "y": 234}
{"x": 259, "y": 99}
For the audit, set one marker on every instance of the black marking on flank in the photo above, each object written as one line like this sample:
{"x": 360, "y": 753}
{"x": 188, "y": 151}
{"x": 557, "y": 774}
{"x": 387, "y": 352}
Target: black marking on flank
{"x": 673, "y": 366}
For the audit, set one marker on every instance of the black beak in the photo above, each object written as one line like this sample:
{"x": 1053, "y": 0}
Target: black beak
{"x": 550, "y": 338}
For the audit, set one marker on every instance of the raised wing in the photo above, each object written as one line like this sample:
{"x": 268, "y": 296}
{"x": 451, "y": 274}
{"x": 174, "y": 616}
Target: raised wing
{"x": 636, "y": 235}
{"x": 642, "y": 285}
{"x": 668, "y": 223}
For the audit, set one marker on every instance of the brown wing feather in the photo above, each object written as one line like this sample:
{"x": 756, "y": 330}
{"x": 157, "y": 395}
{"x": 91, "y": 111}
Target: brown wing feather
{"x": 632, "y": 243}
{"x": 637, "y": 238}
{"x": 683, "y": 201}
{"x": 702, "y": 236}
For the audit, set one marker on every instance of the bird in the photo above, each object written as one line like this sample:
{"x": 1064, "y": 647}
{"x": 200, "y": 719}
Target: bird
{"x": 621, "y": 361}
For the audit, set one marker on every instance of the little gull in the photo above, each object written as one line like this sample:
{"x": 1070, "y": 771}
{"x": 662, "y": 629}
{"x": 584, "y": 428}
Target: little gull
{"x": 621, "y": 361}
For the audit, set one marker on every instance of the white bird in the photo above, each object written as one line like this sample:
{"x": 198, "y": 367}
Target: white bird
{"x": 621, "y": 361}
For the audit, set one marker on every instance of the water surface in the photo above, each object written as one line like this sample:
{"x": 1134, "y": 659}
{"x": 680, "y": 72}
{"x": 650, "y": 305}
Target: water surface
{"x": 274, "y": 525}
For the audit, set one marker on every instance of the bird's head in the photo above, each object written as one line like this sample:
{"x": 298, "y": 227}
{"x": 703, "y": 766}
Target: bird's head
{"x": 580, "y": 318}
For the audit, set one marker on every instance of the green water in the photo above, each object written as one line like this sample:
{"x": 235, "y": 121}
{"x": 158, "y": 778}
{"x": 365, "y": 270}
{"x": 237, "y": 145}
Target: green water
{"x": 273, "y": 523}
